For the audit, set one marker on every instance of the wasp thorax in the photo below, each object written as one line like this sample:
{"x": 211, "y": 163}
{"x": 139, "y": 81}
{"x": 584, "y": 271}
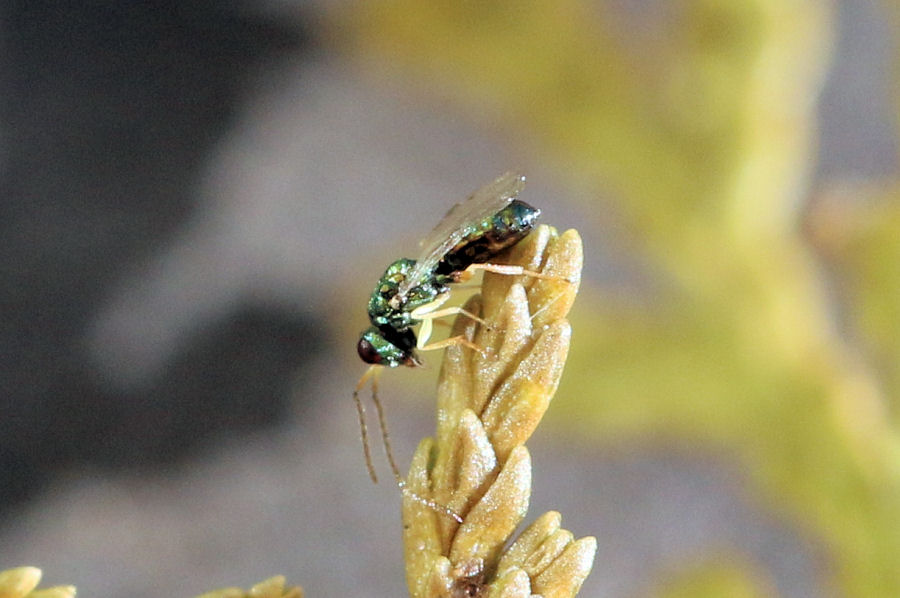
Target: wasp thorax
{"x": 396, "y": 302}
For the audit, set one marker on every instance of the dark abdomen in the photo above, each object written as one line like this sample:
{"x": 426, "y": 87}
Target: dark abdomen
{"x": 503, "y": 230}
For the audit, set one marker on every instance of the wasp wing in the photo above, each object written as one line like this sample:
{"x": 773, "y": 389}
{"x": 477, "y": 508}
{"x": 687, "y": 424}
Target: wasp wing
{"x": 453, "y": 227}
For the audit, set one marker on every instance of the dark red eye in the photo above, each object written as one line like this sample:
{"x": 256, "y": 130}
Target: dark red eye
{"x": 367, "y": 351}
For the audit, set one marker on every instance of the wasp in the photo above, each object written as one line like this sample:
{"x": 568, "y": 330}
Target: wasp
{"x": 412, "y": 292}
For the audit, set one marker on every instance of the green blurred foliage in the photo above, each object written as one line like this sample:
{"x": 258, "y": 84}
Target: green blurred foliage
{"x": 699, "y": 128}
{"x": 727, "y": 576}
{"x": 856, "y": 229}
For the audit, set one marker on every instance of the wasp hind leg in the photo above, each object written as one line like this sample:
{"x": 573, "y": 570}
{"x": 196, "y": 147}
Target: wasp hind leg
{"x": 513, "y": 270}
{"x": 509, "y": 270}
{"x": 454, "y": 340}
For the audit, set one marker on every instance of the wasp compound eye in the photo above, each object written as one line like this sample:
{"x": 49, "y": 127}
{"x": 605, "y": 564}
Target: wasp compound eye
{"x": 367, "y": 351}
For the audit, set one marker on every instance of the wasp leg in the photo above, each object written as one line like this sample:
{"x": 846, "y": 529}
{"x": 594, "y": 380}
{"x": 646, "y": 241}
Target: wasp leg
{"x": 516, "y": 271}
{"x": 447, "y": 311}
{"x": 428, "y": 313}
{"x": 428, "y": 318}
{"x": 454, "y": 340}
{"x": 508, "y": 270}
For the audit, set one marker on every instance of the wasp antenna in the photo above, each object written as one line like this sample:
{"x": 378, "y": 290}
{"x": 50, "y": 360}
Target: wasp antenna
{"x": 361, "y": 412}
{"x": 386, "y": 440}
{"x": 382, "y": 423}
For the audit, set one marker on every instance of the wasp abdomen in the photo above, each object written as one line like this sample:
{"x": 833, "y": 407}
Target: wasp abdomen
{"x": 488, "y": 238}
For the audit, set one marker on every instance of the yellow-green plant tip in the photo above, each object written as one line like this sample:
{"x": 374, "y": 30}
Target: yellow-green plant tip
{"x": 421, "y": 529}
{"x": 269, "y": 588}
{"x": 551, "y": 300}
{"x": 419, "y": 471}
{"x": 513, "y": 583}
{"x": 54, "y": 592}
{"x": 564, "y": 576}
{"x": 489, "y": 403}
{"x": 551, "y": 548}
{"x": 440, "y": 581}
{"x": 561, "y": 257}
{"x": 493, "y": 519}
{"x": 463, "y": 473}
{"x": 455, "y": 382}
{"x": 528, "y": 253}
{"x": 504, "y": 341}
{"x": 19, "y": 582}
{"x": 518, "y": 406}
{"x": 529, "y": 541}
{"x": 274, "y": 588}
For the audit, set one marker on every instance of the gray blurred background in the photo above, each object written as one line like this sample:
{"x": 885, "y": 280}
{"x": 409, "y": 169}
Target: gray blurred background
{"x": 196, "y": 198}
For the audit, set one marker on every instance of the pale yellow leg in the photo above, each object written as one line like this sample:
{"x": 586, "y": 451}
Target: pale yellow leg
{"x": 511, "y": 270}
{"x": 428, "y": 318}
{"x": 453, "y": 340}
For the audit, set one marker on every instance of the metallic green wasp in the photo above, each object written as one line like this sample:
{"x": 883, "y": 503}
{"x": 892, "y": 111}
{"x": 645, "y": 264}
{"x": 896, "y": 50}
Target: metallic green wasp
{"x": 412, "y": 292}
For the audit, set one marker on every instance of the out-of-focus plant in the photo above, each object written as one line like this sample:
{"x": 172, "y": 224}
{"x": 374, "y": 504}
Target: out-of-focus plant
{"x": 271, "y": 588}
{"x": 730, "y": 577}
{"x": 22, "y": 582}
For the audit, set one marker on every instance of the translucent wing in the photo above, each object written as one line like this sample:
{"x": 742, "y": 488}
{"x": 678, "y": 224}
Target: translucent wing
{"x": 485, "y": 202}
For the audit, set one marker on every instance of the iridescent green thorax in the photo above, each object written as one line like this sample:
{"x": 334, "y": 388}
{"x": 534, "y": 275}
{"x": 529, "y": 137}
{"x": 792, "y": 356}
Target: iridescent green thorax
{"x": 388, "y": 310}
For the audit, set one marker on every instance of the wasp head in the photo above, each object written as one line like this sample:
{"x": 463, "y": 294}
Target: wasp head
{"x": 388, "y": 347}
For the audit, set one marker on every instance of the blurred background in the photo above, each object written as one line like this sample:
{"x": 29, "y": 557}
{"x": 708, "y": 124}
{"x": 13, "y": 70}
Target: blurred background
{"x": 197, "y": 198}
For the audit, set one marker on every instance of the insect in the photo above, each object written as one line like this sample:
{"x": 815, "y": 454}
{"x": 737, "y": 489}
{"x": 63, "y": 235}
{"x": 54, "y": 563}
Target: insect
{"x": 412, "y": 292}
